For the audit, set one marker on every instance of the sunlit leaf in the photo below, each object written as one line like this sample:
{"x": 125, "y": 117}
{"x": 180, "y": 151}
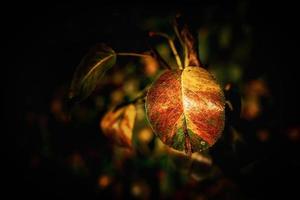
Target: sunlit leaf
{"x": 90, "y": 70}
{"x": 192, "y": 54}
{"x": 118, "y": 125}
{"x": 186, "y": 109}
{"x": 187, "y": 42}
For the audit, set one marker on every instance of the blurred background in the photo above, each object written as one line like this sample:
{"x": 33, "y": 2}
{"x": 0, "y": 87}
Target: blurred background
{"x": 241, "y": 42}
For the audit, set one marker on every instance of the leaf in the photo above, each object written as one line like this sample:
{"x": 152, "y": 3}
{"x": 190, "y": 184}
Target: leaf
{"x": 92, "y": 67}
{"x": 118, "y": 125}
{"x": 189, "y": 41}
{"x": 186, "y": 109}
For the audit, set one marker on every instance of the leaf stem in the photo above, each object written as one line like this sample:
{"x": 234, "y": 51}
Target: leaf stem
{"x": 133, "y": 54}
{"x": 172, "y": 46}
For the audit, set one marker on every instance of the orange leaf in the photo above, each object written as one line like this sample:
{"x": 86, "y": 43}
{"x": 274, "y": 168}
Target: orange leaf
{"x": 118, "y": 125}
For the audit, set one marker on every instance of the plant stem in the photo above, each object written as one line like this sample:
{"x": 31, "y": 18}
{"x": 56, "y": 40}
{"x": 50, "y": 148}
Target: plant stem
{"x": 172, "y": 46}
{"x": 133, "y": 54}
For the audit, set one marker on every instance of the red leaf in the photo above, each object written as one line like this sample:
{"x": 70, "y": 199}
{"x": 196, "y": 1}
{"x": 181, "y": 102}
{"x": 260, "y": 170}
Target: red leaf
{"x": 186, "y": 109}
{"x": 118, "y": 125}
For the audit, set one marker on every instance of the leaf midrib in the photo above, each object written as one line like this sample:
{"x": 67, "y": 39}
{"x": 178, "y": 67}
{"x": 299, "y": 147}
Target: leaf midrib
{"x": 96, "y": 65}
{"x": 187, "y": 146}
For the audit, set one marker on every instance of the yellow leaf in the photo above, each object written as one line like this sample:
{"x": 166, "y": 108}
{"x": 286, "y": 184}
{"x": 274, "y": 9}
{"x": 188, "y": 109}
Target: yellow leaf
{"x": 118, "y": 125}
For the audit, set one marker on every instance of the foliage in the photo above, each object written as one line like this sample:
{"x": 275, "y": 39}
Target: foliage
{"x": 71, "y": 155}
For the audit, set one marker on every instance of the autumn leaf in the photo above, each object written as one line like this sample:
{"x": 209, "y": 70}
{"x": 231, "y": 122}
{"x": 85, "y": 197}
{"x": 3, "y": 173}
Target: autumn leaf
{"x": 118, "y": 125}
{"x": 90, "y": 70}
{"x": 186, "y": 109}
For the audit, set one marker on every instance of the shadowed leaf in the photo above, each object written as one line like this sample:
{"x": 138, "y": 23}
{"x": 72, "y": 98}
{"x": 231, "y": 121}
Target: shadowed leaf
{"x": 188, "y": 42}
{"x": 90, "y": 70}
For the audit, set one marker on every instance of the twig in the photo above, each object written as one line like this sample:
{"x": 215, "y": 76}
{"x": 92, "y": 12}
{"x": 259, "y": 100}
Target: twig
{"x": 134, "y": 54}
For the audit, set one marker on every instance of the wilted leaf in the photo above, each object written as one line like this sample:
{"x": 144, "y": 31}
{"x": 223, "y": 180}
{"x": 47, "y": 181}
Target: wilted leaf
{"x": 90, "y": 70}
{"x": 186, "y": 109}
{"x": 188, "y": 42}
{"x": 118, "y": 125}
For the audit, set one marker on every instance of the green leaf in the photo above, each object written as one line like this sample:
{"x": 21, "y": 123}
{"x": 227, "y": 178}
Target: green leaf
{"x": 91, "y": 69}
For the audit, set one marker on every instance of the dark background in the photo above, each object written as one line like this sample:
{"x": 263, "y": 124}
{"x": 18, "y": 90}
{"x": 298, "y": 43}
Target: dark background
{"x": 46, "y": 42}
